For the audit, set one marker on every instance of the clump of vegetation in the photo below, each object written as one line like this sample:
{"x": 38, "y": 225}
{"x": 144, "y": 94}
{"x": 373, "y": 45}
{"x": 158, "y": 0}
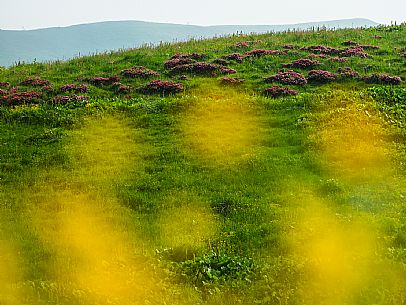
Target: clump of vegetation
{"x": 104, "y": 81}
{"x": 288, "y": 78}
{"x": 354, "y": 51}
{"x": 202, "y": 68}
{"x": 302, "y": 63}
{"x": 278, "y": 91}
{"x": 238, "y": 57}
{"x": 161, "y": 87}
{"x": 82, "y": 88}
{"x": 347, "y": 72}
{"x": 382, "y": 79}
{"x": 231, "y": 81}
{"x": 321, "y": 49}
{"x": 321, "y": 76}
{"x": 138, "y": 72}
{"x": 35, "y": 82}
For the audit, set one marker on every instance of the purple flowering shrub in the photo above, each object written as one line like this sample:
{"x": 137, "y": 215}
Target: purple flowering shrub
{"x": 4, "y": 84}
{"x": 171, "y": 63}
{"x": 82, "y": 88}
{"x": 201, "y": 68}
{"x": 194, "y": 55}
{"x": 382, "y": 79}
{"x": 139, "y": 72}
{"x": 47, "y": 89}
{"x": 287, "y": 78}
{"x": 120, "y": 88}
{"x": 161, "y": 87}
{"x": 231, "y": 81}
{"x": 347, "y": 72}
{"x": 321, "y": 49}
{"x": 355, "y": 51}
{"x": 277, "y": 91}
{"x": 20, "y": 98}
{"x": 321, "y": 76}
{"x": 259, "y": 53}
{"x": 238, "y": 57}
{"x": 302, "y": 63}
{"x": 35, "y": 82}
{"x": 104, "y": 81}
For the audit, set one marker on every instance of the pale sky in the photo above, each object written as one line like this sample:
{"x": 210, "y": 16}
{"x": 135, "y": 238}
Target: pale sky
{"x": 30, "y": 14}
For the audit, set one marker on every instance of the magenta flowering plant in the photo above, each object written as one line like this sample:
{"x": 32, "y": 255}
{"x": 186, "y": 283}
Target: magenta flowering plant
{"x": 354, "y": 51}
{"x": 382, "y": 79}
{"x": 290, "y": 46}
{"x": 139, "y": 72}
{"x": 259, "y": 53}
{"x": 35, "y": 82}
{"x": 171, "y": 63}
{"x": 287, "y": 78}
{"x": 161, "y": 87}
{"x": 194, "y": 55}
{"x": 321, "y": 49}
{"x": 302, "y": 63}
{"x": 231, "y": 81}
{"x": 347, "y": 72}
{"x": 238, "y": 57}
{"x": 321, "y": 76}
{"x": 104, "y": 81}
{"x": 123, "y": 89}
{"x": 202, "y": 68}
{"x": 47, "y": 89}
{"x": 242, "y": 44}
{"x": 82, "y": 88}
{"x": 278, "y": 91}
{"x": 19, "y": 98}
{"x": 4, "y": 84}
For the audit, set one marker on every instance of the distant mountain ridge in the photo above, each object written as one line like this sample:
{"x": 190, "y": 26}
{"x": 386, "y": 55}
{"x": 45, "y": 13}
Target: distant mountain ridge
{"x": 67, "y": 42}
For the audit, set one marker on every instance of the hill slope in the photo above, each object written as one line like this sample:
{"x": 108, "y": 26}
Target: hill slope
{"x": 63, "y": 43}
{"x": 251, "y": 169}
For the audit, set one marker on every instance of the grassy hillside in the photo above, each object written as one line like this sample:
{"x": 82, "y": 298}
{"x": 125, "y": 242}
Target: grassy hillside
{"x": 254, "y": 169}
{"x": 85, "y": 39}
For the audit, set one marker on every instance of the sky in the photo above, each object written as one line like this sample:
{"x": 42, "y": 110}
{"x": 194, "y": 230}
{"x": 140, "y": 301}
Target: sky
{"x": 32, "y": 14}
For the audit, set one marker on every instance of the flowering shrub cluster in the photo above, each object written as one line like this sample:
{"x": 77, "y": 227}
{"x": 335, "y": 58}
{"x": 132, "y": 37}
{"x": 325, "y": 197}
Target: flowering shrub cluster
{"x": 139, "y": 72}
{"x": 347, "y": 72}
{"x": 63, "y": 99}
{"x": 35, "y": 82}
{"x": 103, "y": 81}
{"x": 259, "y": 53}
{"x": 171, "y": 63}
{"x": 3, "y": 92}
{"x": 82, "y": 88}
{"x": 321, "y": 55}
{"x": 302, "y": 63}
{"x": 350, "y": 43}
{"x": 320, "y": 49}
{"x": 355, "y": 51}
{"x": 19, "y": 98}
{"x": 202, "y": 68}
{"x": 288, "y": 78}
{"x": 382, "y": 79}
{"x": 338, "y": 59}
{"x": 4, "y": 84}
{"x": 321, "y": 76}
{"x": 277, "y": 91}
{"x": 403, "y": 55}
{"x": 120, "y": 88}
{"x": 235, "y": 56}
{"x": 194, "y": 55}
{"x": 161, "y": 87}
{"x": 231, "y": 80}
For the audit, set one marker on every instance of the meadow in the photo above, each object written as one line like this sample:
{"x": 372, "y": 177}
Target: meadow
{"x": 248, "y": 169}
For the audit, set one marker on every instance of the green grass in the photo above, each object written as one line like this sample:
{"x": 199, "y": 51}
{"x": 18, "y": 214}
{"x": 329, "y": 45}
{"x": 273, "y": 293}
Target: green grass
{"x": 216, "y": 195}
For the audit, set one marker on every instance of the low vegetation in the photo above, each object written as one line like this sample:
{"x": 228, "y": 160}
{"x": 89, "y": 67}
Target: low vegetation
{"x": 151, "y": 176}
